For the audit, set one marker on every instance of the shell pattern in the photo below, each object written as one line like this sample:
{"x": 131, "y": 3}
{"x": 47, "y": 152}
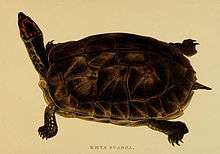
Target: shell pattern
{"x": 122, "y": 77}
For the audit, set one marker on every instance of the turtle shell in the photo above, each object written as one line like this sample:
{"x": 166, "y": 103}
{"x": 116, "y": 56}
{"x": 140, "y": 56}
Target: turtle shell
{"x": 119, "y": 78}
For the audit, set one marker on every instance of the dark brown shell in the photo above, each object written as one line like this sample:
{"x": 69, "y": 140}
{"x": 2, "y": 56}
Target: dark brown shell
{"x": 121, "y": 77}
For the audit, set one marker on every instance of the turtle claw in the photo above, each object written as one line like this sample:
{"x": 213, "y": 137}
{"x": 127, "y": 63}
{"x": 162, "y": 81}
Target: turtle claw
{"x": 177, "y": 142}
{"x": 175, "y": 138}
{"x": 195, "y": 43}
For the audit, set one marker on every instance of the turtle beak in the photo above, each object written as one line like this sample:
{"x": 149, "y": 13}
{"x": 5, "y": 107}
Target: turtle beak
{"x": 21, "y": 15}
{"x": 21, "y": 18}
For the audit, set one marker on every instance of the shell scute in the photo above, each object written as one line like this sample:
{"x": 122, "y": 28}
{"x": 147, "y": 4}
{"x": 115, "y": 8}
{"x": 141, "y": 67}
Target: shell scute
{"x": 102, "y": 59}
{"x": 111, "y": 84}
{"x": 120, "y": 110}
{"x": 77, "y": 66}
{"x": 138, "y": 110}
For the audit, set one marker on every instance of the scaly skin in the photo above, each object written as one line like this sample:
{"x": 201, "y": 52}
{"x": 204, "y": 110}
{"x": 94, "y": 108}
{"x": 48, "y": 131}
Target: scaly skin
{"x": 50, "y": 128}
{"x": 33, "y": 39}
{"x": 174, "y": 129}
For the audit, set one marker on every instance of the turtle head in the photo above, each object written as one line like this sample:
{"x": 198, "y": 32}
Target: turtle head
{"x": 28, "y": 28}
{"x": 33, "y": 39}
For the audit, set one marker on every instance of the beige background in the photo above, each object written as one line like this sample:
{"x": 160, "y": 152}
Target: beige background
{"x": 22, "y": 105}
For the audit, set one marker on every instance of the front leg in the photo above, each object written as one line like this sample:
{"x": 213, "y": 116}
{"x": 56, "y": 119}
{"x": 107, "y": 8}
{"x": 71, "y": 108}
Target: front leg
{"x": 50, "y": 128}
{"x": 175, "y": 130}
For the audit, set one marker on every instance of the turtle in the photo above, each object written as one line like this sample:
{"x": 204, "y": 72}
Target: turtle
{"x": 119, "y": 78}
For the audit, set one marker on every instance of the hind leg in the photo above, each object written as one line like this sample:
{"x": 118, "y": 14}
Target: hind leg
{"x": 175, "y": 130}
{"x": 50, "y": 128}
{"x": 187, "y": 47}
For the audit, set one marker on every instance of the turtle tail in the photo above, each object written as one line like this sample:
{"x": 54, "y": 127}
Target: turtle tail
{"x": 197, "y": 86}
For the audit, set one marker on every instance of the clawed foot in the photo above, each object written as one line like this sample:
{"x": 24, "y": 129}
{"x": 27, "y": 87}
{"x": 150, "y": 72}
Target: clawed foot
{"x": 189, "y": 47}
{"x": 50, "y": 128}
{"x": 175, "y": 138}
{"x": 47, "y": 132}
{"x": 190, "y": 43}
{"x": 176, "y": 135}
